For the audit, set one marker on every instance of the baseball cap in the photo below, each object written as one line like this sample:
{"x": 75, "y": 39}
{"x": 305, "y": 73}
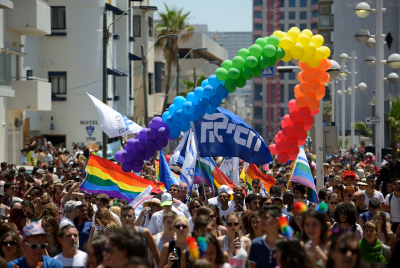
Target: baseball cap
{"x": 40, "y": 171}
{"x": 166, "y": 199}
{"x": 71, "y": 205}
{"x": 86, "y": 193}
{"x": 155, "y": 191}
{"x": 362, "y": 182}
{"x": 31, "y": 229}
{"x": 225, "y": 188}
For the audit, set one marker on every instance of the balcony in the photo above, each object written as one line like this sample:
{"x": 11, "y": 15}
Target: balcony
{"x": 6, "y": 4}
{"x": 326, "y": 20}
{"x": 30, "y": 95}
{"x": 29, "y": 17}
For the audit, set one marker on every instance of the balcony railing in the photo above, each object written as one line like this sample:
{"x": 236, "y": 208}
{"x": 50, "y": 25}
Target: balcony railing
{"x": 326, "y": 20}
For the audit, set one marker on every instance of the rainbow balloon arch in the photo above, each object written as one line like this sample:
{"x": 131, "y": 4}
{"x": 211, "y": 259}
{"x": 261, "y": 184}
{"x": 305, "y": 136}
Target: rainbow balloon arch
{"x": 249, "y": 63}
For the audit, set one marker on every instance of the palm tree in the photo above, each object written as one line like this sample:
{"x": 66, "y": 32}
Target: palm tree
{"x": 394, "y": 119}
{"x": 327, "y": 113}
{"x": 173, "y": 21}
{"x": 367, "y": 129}
{"x": 189, "y": 84}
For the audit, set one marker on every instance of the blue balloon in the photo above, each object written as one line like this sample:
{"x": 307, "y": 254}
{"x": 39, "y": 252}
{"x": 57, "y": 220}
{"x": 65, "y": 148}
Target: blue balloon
{"x": 214, "y": 81}
{"x": 222, "y": 92}
{"x": 172, "y": 108}
{"x": 180, "y": 115}
{"x": 130, "y": 145}
{"x": 171, "y": 121}
{"x": 204, "y": 83}
{"x": 138, "y": 155}
{"x": 211, "y": 110}
{"x": 199, "y": 92}
{"x": 174, "y": 132}
{"x": 203, "y": 103}
{"x": 178, "y": 101}
{"x": 209, "y": 91}
{"x": 184, "y": 126}
{"x": 191, "y": 97}
{"x": 198, "y": 112}
{"x": 164, "y": 116}
{"x": 215, "y": 101}
{"x": 192, "y": 117}
{"x": 137, "y": 169}
{"x": 188, "y": 107}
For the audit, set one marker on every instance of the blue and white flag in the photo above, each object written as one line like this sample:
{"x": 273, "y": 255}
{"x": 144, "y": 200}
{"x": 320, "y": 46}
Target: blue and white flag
{"x": 226, "y": 134}
{"x": 189, "y": 164}
{"x": 179, "y": 154}
{"x": 166, "y": 175}
{"x": 230, "y": 167}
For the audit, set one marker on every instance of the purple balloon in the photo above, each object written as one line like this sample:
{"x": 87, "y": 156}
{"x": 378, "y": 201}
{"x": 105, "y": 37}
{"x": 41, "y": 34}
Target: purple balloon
{"x": 118, "y": 156}
{"x": 156, "y": 122}
{"x": 158, "y": 148}
{"x": 138, "y": 135}
{"x": 130, "y": 145}
{"x": 137, "y": 163}
{"x": 150, "y": 144}
{"x": 127, "y": 156}
{"x": 152, "y": 133}
{"x": 162, "y": 142}
{"x": 143, "y": 133}
{"x": 148, "y": 153}
{"x": 170, "y": 138}
{"x": 139, "y": 144}
{"x": 137, "y": 169}
{"x": 163, "y": 133}
{"x": 127, "y": 166}
{"x": 138, "y": 155}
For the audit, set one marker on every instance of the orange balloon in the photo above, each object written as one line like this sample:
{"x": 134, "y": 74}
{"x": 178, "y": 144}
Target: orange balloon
{"x": 300, "y": 77}
{"x": 323, "y": 77}
{"x": 325, "y": 64}
{"x": 306, "y": 67}
{"x": 314, "y": 84}
{"x": 301, "y": 66}
{"x": 320, "y": 96}
{"x": 314, "y": 105}
{"x": 298, "y": 94}
{"x": 315, "y": 73}
{"x": 306, "y": 76}
{"x": 328, "y": 78}
{"x": 301, "y": 102}
{"x": 310, "y": 97}
{"x": 304, "y": 88}
{"x": 321, "y": 90}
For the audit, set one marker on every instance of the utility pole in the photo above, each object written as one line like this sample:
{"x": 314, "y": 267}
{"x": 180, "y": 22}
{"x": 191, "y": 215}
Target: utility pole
{"x": 105, "y": 43}
{"x": 194, "y": 77}
{"x": 146, "y": 112}
{"x": 177, "y": 75}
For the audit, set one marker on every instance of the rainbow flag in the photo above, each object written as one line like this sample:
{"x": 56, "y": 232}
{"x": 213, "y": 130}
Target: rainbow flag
{"x": 212, "y": 175}
{"x": 251, "y": 172}
{"x": 105, "y": 177}
{"x": 157, "y": 168}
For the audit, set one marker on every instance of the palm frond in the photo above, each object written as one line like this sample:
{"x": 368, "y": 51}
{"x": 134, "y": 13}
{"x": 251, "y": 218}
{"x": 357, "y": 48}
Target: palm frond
{"x": 364, "y": 127}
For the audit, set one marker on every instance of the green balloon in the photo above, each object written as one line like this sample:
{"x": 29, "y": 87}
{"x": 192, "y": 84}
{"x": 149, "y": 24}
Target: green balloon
{"x": 255, "y": 50}
{"x": 221, "y": 73}
{"x": 273, "y": 40}
{"x": 266, "y": 39}
{"x": 240, "y": 82}
{"x": 247, "y": 73}
{"x": 230, "y": 85}
{"x": 227, "y": 64}
{"x": 280, "y": 53}
{"x": 244, "y": 53}
{"x": 257, "y": 71}
{"x": 251, "y": 61}
{"x": 272, "y": 61}
{"x": 263, "y": 62}
{"x": 269, "y": 51}
{"x": 261, "y": 42}
{"x": 234, "y": 73}
{"x": 238, "y": 62}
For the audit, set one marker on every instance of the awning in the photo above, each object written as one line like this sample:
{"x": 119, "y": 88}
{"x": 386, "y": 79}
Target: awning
{"x": 134, "y": 57}
{"x": 115, "y": 10}
{"x": 115, "y": 72}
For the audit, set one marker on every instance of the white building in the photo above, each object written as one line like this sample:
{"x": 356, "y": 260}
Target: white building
{"x": 22, "y": 91}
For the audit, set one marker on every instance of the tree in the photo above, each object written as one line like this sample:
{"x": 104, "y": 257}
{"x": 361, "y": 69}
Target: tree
{"x": 189, "y": 84}
{"x": 173, "y": 21}
{"x": 327, "y": 113}
{"x": 394, "y": 119}
{"x": 360, "y": 125}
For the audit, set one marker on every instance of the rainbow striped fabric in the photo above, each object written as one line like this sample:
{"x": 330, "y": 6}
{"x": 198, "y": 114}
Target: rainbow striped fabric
{"x": 157, "y": 168}
{"x": 105, "y": 177}
{"x": 251, "y": 172}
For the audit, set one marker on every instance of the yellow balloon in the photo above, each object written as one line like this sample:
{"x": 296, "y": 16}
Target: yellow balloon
{"x": 297, "y": 49}
{"x": 295, "y": 29}
{"x": 310, "y": 48}
{"x": 293, "y": 35}
{"x": 307, "y": 58}
{"x": 314, "y": 63}
{"x": 286, "y": 43}
{"x": 307, "y": 32}
{"x": 319, "y": 53}
{"x": 298, "y": 56}
{"x": 303, "y": 39}
{"x": 318, "y": 40}
{"x": 280, "y": 34}
{"x": 288, "y": 56}
{"x": 327, "y": 51}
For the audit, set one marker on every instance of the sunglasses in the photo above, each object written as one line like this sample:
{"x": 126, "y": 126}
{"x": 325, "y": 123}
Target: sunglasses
{"x": 213, "y": 215}
{"x": 58, "y": 189}
{"x": 232, "y": 223}
{"x": 174, "y": 190}
{"x": 129, "y": 216}
{"x": 11, "y": 243}
{"x": 197, "y": 206}
{"x": 224, "y": 196}
{"x": 36, "y": 246}
{"x": 357, "y": 179}
{"x": 183, "y": 188}
{"x": 344, "y": 250}
{"x": 396, "y": 183}
{"x": 333, "y": 203}
{"x": 179, "y": 226}
{"x": 350, "y": 195}
{"x": 108, "y": 250}
{"x": 257, "y": 187}
{"x": 279, "y": 206}
{"x": 354, "y": 200}
{"x": 88, "y": 197}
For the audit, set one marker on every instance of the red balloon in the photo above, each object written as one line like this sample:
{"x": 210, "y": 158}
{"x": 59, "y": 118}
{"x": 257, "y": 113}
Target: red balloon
{"x": 294, "y": 116}
{"x": 304, "y": 112}
{"x": 298, "y": 127}
{"x": 306, "y": 76}
{"x": 291, "y": 142}
{"x": 281, "y": 137}
{"x": 272, "y": 149}
{"x": 277, "y": 139}
{"x": 308, "y": 121}
{"x": 281, "y": 146}
{"x": 314, "y": 112}
{"x": 293, "y": 151}
{"x": 301, "y": 135}
{"x": 315, "y": 73}
{"x": 292, "y": 106}
{"x": 301, "y": 142}
{"x": 308, "y": 127}
{"x": 283, "y": 157}
{"x": 287, "y": 132}
{"x": 292, "y": 157}
{"x": 287, "y": 120}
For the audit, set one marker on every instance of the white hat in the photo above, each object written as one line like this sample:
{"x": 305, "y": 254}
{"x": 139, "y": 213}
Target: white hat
{"x": 166, "y": 199}
{"x": 55, "y": 177}
{"x": 225, "y": 188}
{"x": 40, "y": 171}
{"x": 361, "y": 173}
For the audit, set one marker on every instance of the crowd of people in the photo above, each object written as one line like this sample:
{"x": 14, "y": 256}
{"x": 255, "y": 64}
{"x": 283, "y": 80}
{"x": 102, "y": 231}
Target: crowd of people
{"x": 46, "y": 221}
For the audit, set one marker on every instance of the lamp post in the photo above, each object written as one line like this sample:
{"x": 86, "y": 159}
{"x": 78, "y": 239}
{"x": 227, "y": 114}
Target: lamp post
{"x": 194, "y": 70}
{"x": 343, "y": 74}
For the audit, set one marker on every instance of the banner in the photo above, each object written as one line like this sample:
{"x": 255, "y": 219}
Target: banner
{"x": 112, "y": 149}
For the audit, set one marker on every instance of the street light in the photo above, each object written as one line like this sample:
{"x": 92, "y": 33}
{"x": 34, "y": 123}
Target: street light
{"x": 362, "y": 87}
{"x": 344, "y": 73}
{"x": 363, "y": 9}
{"x": 362, "y": 36}
{"x": 370, "y": 43}
{"x": 339, "y": 93}
{"x": 370, "y": 60}
{"x": 334, "y": 70}
{"x": 393, "y": 78}
{"x": 344, "y": 57}
{"x": 394, "y": 61}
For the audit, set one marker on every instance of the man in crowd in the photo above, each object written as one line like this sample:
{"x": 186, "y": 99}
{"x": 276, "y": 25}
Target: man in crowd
{"x": 174, "y": 191}
{"x": 70, "y": 211}
{"x": 10, "y": 188}
{"x": 359, "y": 202}
{"x": 374, "y": 205}
{"x": 299, "y": 192}
{"x": 392, "y": 205}
{"x": 370, "y": 192}
{"x": 281, "y": 183}
{"x": 256, "y": 185}
{"x": 48, "y": 158}
{"x": 238, "y": 198}
{"x": 253, "y": 201}
{"x": 183, "y": 190}
{"x": 224, "y": 207}
{"x": 127, "y": 216}
{"x": 70, "y": 256}
{"x": 346, "y": 216}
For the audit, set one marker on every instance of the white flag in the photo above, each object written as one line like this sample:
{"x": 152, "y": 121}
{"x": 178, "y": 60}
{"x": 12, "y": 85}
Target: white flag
{"x": 113, "y": 123}
{"x": 189, "y": 164}
{"x": 230, "y": 167}
{"x": 137, "y": 203}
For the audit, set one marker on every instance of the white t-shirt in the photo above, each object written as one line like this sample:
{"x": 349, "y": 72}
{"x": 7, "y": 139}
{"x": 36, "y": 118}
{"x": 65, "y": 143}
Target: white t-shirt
{"x": 214, "y": 201}
{"x": 394, "y": 208}
{"x": 182, "y": 208}
{"x": 156, "y": 223}
{"x": 377, "y": 195}
{"x": 97, "y": 227}
{"x": 224, "y": 213}
{"x": 78, "y": 261}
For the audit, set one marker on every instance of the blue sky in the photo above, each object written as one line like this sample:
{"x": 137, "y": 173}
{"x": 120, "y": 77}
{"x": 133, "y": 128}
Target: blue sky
{"x": 220, "y": 15}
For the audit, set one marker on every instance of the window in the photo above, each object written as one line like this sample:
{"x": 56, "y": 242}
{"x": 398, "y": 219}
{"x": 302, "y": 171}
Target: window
{"x": 58, "y": 18}
{"x": 314, "y": 2}
{"x": 303, "y": 15}
{"x": 282, "y": 15}
{"x": 292, "y": 3}
{"x": 29, "y": 73}
{"x": 282, "y": 93}
{"x": 150, "y": 27}
{"x": 5, "y": 69}
{"x": 291, "y": 91}
{"x": 282, "y": 27}
{"x": 292, "y": 76}
{"x": 303, "y": 3}
{"x": 282, "y": 76}
{"x": 314, "y": 13}
{"x": 58, "y": 82}
{"x": 303, "y": 26}
{"x": 314, "y": 26}
{"x": 292, "y": 15}
{"x": 258, "y": 112}
{"x": 282, "y": 3}
{"x": 258, "y": 2}
{"x": 258, "y": 92}
{"x": 257, "y": 26}
{"x": 282, "y": 112}
{"x": 137, "y": 26}
{"x": 257, "y": 14}
{"x": 291, "y": 25}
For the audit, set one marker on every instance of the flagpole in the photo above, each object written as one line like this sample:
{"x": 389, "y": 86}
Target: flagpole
{"x": 198, "y": 159}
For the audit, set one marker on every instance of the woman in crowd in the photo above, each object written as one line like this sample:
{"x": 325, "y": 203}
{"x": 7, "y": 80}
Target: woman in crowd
{"x": 237, "y": 246}
{"x": 219, "y": 225}
{"x": 343, "y": 251}
{"x": 95, "y": 252}
{"x": 373, "y": 252}
{"x": 348, "y": 194}
{"x": 214, "y": 253}
{"x": 116, "y": 210}
{"x": 338, "y": 189}
{"x": 57, "y": 196}
{"x": 51, "y": 227}
{"x": 83, "y": 224}
{"x": 167, "y": 258}
{"x": 10, "y": 246}
{"x": 105, "y": 223}
{"x": 50, "y": 209}
{"x": 332, "y": 202}
{"x": 45, "y": 198}
{"x": 387, "y": 187}
{"x": 208, "y": 212}
{"x": 254, "y": 226}
{"x": 18, "y": 216}
{"x": 291, "y": 254}
{"x": 194, "y": 205}
{"x": 145, "y": 215}
{"x": 167, "y": 235}
{"x": 386, "y": 237}
{"x": 244, "y": 221}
